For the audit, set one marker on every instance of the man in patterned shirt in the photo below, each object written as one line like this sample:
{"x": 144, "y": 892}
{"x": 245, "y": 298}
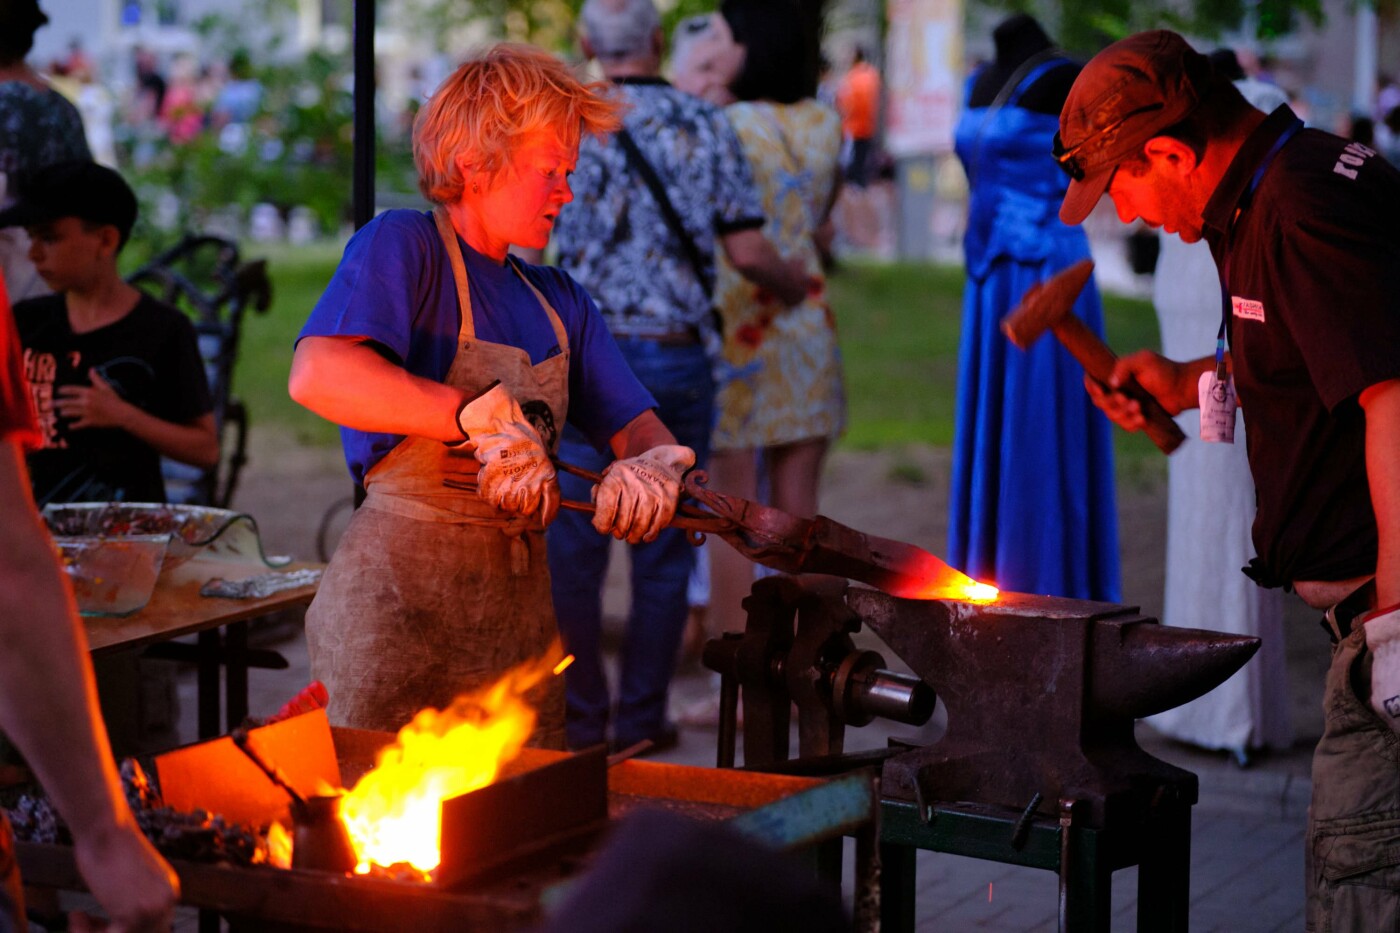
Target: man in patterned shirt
{"x": 38, "y": 127}
{"x": 651, "y": 276}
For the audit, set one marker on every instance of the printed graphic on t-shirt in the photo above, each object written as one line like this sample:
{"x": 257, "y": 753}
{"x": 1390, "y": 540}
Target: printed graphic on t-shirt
{"x": 130, "y": 377}
{"x": 40, "y": 370}
{"x": 1352, "y": 158}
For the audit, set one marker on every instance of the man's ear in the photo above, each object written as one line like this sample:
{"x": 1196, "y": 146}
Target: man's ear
{"x": 658, "y": 43}
{"x": 1171, "y": 154}
{"x": 110, "y": 239}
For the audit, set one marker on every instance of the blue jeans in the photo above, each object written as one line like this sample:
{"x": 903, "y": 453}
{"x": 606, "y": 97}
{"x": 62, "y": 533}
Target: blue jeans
{"x": 679, "y": 378}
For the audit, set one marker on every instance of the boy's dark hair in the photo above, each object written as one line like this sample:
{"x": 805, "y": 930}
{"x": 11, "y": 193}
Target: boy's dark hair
{"x": 19, "y": 20}
{"x": 88, "y": 191}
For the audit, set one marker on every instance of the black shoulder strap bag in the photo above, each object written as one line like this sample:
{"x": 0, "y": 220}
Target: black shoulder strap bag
{"x": 703, "y": 271}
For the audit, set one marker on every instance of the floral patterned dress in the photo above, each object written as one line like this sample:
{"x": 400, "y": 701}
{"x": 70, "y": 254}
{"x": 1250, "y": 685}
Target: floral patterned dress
{"x": 779, "y": 381}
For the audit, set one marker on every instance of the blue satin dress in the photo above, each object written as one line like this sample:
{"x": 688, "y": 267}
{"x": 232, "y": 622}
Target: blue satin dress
{"x": 1032, "y": 502}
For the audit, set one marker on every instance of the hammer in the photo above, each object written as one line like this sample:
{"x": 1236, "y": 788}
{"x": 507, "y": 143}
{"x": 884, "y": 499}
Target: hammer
{"x": 1051, "y": 305}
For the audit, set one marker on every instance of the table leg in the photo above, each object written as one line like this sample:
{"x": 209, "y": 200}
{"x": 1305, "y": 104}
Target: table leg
{"x": 236, "y": 674}
{"x": 208, "y": 647}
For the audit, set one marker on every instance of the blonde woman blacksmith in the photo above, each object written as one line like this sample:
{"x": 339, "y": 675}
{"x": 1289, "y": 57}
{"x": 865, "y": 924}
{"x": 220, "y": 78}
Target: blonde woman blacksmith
{"x": 450, "y": 364}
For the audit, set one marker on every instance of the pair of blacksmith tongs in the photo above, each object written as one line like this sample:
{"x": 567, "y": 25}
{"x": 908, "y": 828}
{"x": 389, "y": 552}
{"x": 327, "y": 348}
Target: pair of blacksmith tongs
{"x": 695, "y": 521}
{"x": 791, "y": 544}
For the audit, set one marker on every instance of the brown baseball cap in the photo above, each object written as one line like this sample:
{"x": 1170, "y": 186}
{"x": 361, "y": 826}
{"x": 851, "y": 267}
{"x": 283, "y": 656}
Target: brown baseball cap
{"x": 1127, "y": 94}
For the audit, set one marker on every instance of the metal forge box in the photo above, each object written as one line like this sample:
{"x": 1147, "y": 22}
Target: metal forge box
{"x": 507, "y": 849}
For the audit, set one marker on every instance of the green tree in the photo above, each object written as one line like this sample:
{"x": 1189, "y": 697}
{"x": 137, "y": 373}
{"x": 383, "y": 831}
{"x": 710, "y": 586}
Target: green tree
{"x": 546, "y": 23}
{"x": 1087, "y": 25}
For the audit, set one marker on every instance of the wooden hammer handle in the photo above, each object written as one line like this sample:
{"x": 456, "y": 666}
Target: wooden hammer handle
{"x": 1098, "y": 361}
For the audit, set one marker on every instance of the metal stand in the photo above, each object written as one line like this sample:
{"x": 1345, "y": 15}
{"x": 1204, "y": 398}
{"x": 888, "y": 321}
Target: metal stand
{"x": 1084, "y": 857}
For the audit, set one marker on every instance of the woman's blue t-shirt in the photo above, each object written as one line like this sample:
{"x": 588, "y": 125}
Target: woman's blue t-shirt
{"x": 394, "y": 287}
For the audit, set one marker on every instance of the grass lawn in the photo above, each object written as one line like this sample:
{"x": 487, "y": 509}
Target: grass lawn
{"x": 899, "y": 337}
{"x": 299, "y": 274}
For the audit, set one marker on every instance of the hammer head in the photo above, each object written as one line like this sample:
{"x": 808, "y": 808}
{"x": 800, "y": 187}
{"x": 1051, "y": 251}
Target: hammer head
{"x": 1046, "y": 304}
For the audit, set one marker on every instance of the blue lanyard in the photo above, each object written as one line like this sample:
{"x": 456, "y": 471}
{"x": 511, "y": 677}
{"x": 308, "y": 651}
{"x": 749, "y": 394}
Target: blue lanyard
{"x": 1225, "y": 302}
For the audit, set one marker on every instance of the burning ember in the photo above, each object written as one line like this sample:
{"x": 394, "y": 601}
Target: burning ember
{"x": 393, "y": 812}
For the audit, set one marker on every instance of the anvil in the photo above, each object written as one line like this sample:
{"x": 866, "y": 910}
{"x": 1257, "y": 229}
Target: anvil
{"x": 1041, "y": 692}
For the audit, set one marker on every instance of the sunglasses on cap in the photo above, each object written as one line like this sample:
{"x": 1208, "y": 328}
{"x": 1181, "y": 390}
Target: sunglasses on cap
{"x": 1069, "y": 163}
{"x": 1068, "y": 159}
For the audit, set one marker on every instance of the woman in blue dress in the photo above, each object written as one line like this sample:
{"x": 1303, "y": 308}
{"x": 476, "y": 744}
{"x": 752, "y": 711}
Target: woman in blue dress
{"x": 1032, "y": 500}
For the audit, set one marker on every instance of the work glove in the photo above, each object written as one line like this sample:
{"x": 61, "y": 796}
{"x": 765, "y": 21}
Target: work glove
{"x": 516, "y": 474}
{"x": 1383, "y": 638}
{"x": 638, "y": 496}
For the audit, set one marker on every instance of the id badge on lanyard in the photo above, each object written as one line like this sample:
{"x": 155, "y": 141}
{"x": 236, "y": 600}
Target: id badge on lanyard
{"x": 1218, "y": 407}
{"x": 1216, "y": 388}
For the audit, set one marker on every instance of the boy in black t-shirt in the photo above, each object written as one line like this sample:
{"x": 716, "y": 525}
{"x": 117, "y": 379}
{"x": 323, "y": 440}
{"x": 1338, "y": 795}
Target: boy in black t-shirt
{"x": 115, "y": 376}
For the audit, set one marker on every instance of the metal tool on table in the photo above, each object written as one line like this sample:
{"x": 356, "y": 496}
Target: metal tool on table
{"x": 320, "y": 840}
{"x": 1050, "y": 306}
{"x": 785, "y": 542}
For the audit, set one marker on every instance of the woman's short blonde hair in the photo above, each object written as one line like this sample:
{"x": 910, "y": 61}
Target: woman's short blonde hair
{"x": 476, "y": 115}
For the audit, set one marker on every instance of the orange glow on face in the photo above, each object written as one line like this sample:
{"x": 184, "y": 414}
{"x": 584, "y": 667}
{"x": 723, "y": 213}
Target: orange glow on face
{"x": 393, "y": 813}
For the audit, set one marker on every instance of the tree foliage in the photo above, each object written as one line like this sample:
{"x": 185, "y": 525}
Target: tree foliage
{"x": 546, "y": 23}
{"x": 1087, "y": 25}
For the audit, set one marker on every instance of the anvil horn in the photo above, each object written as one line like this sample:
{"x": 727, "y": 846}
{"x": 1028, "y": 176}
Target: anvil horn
{"x": 1147, "y": 668}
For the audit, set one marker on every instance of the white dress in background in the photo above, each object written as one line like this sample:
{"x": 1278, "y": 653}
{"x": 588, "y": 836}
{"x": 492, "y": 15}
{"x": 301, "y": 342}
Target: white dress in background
{"x": 1209, "y": 514}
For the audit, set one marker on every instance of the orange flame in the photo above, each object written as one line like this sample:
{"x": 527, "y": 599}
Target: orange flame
{"x": 279, "y": 846}
{"x": 393, "y": 813}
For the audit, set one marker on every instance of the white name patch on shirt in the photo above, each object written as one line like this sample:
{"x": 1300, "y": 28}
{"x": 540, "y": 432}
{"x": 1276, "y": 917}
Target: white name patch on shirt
{"x": 1248, "y": 308}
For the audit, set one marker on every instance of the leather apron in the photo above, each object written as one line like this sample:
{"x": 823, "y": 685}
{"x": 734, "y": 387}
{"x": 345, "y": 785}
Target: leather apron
{"x": 432, "y": 591}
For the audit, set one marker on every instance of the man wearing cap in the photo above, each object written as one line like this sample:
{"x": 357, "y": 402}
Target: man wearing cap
{"x": 115, "y": 376}
{"x": 1302, "y": 227}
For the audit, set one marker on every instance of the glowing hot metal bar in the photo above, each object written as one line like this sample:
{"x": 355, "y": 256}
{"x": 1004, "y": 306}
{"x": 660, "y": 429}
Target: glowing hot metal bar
{"x": 819, "y": 545}
{"x": 785, "y": 542}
